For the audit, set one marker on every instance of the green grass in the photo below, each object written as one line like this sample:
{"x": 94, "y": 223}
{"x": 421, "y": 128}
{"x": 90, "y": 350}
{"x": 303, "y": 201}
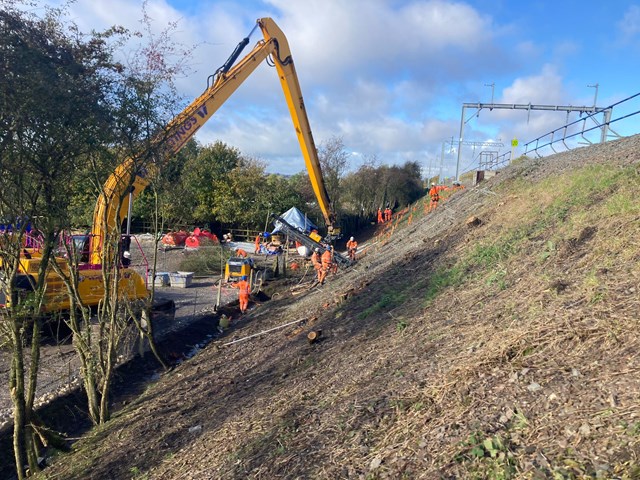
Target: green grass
{"x": 487, "y": 457}
{"x": 556, "y": 209}
{"x": 388, "y": 301}
{"x": 401, "y": 325}
{"x": 561, "y": 207}
{"x": 206, "y": 260}
{"x": 441, "y": 279}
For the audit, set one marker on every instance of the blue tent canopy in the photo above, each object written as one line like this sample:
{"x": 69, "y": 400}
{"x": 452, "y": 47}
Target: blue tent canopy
{"x": 296, "y": 218}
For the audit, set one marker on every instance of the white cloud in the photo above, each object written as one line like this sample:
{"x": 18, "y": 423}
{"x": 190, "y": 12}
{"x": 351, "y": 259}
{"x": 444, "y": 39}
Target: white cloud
{"x": 388, "y": 76}
{"x": 629, "y": 26}
{"x": 544, "y": 88}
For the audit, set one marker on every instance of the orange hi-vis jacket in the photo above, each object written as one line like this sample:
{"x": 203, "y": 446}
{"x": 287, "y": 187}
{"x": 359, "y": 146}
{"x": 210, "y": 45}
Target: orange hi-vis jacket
{"x": 243, "y": 287}
{"x": 352, "y": 245}
{"x": 433, "y": 193}
{"x": 315, "y": 259}
{"x": 326, "y": 259}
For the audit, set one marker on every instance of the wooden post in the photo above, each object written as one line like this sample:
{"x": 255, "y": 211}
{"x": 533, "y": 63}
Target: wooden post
{"x": 266, "y": 222}
{"x": 286, "y": 256}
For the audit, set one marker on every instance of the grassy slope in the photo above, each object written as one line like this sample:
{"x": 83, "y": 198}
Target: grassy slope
{"x": 505, "y": 350}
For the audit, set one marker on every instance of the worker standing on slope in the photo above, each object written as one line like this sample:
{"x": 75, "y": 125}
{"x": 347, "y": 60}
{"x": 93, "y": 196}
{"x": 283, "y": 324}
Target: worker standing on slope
{"x": 326, "y": 264}
{"x": 317, "y": 265}
{"x": 380, "y": 219}
{"x": 244, "y": 289}
{"x": 352, "y": 247}
{"x": 435, "y": 197}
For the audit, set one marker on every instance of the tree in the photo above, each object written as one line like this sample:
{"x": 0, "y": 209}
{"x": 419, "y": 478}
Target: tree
{"x": 170, "y": 199}
{"x": 280, "y": 194}
{"x": 97, "y": 113}
{"x": 371, "y": 187}
{"x": 206, "y": 177}
{"x": 404, "y": 184}
{"x": 139, "y": 99}
{"x": 41, "y": 144}
{"x": 333, "y": 162}
{"x": 361, "y": 190}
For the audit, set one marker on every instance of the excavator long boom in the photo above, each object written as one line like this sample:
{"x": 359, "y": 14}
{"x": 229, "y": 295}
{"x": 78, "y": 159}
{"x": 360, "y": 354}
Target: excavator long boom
{"x": 133, "y": 175}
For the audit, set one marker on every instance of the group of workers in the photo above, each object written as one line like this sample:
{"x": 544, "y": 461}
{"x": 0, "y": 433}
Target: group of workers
{"x": 384, "y": 215}
{"x": 325, "y": 262}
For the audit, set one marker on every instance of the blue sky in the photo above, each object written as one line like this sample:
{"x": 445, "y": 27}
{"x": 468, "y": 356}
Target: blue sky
{"x": 389, "y": 77}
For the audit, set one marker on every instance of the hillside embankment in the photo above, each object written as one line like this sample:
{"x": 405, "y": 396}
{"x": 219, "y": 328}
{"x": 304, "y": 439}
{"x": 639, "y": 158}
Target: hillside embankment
{"x": 503, "y": 347}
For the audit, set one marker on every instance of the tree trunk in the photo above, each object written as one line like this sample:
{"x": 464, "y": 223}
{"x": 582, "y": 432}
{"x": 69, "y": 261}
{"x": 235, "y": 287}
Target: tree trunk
{"x": 31, "y": 436}
{"x": 16, "y": 388}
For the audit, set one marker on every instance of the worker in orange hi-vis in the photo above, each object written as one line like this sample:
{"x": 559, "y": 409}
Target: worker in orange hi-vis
{"x": 387, "y": 214}
{"x": 352, "y": 247}
{"x": 326, "y": 264}
{"x": 435, "y": 196}
{"x": 244, "y": 289}
{"x": 241, "y": 253}
{"x": 380, "y": 219}
{"x": 315, "y": 261}
{"x": 256, "y": 250}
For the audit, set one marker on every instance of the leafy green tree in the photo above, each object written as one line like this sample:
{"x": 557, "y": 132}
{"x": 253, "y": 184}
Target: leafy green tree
{"x": 206, "y": 179}
{"x": 371, "y": 187}
{"x": 308, "y": 203}
{"x": 280, "y": 194}
{"x": 52, "y": 114}
{"x": 171, "y": 196}
{"x": 362, "y": 192}
{"x": 238, "y": 195}
{"x": 404, "y": 184}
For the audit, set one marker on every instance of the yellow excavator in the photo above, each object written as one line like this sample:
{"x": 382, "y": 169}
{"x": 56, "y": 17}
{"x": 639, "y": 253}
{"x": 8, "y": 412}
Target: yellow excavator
{"x": 133, "y": 175}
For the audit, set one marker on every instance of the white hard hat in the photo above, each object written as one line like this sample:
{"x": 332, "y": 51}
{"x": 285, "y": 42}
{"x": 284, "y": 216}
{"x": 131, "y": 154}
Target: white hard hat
{"x": 351, "y": 239}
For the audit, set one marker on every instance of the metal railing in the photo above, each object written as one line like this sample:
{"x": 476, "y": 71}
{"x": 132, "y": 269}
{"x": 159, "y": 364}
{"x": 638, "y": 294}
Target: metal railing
{"x": 577, "y": 128}
{"x": 548, "y": 140}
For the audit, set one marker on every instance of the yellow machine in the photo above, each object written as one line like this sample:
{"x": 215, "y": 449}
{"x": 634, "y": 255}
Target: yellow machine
{"x": 236, "y": 268}
{"x": 133, "y": 174}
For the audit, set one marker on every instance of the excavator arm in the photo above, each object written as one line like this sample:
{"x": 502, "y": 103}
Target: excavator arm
{"x": 133, "y": 175}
